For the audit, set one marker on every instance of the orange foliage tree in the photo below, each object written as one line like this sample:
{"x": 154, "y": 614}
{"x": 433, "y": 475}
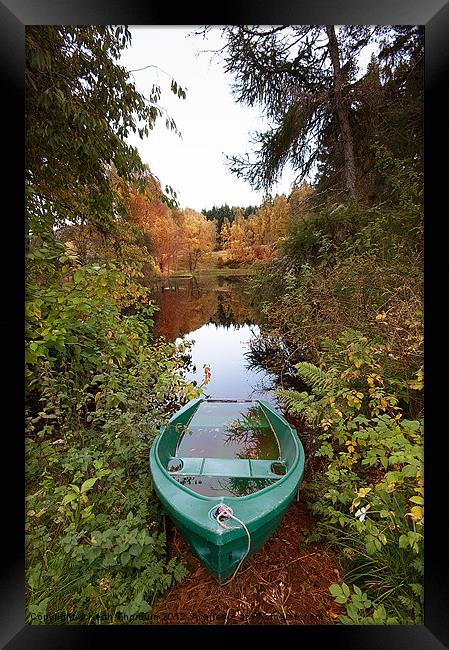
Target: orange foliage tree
{"x": 237, "y": 238}
{"x": 256, "y": 237}
{"x": 152, "y": 216}
{"x": 197, "y": 237}
{"x": 170, "y": 234}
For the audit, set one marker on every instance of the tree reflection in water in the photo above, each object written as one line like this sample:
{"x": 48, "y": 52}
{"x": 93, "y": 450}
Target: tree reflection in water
{"x": 254, "y": 436}
{"x": 185, "y": 304}
{"x": 248, "y": 436}
{"x": 214, "y": 316}
{"x": 224, "y": 485}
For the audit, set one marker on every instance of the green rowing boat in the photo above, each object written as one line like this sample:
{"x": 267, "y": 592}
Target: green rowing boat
{"x": 226, "y": 472}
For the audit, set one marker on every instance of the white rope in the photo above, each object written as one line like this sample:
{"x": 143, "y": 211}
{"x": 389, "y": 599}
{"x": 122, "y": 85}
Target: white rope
{"x": 225, "y": 512}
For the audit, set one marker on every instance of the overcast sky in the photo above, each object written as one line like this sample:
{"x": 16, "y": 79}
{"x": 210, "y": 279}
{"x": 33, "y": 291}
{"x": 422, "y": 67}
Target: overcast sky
{"x": 211, "y": 122}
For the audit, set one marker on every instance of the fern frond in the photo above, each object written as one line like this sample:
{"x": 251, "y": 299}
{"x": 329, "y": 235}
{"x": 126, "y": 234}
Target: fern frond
{"x": 321, "y": 383}
{"x": 301, "y": 404}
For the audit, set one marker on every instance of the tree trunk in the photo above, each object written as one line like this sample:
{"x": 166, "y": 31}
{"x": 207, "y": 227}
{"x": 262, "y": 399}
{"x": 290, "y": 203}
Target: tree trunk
{"x": 343, "y": 113}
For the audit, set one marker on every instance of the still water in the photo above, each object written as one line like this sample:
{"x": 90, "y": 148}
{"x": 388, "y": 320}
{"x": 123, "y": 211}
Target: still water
{"x": 229, "y": 430}
{"x": 215, "y": 314}
{"x": 219, "y": 434}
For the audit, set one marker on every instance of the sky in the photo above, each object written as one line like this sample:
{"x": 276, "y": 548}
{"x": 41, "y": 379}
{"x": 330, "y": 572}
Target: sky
{"x": 212, "y": 124}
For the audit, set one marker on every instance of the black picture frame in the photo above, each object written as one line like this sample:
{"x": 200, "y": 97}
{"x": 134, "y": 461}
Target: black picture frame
{"x": 434, "y": 15}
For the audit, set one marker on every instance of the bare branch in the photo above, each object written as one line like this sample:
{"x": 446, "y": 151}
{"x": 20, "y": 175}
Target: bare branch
{"x": 272, "y": 31}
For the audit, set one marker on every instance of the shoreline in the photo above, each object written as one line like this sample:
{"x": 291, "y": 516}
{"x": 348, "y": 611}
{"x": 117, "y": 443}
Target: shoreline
{"x": 212, "y": 272}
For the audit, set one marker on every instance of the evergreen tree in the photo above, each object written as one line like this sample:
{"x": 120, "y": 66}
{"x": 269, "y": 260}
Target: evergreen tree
{"x": 387, "y": 115}
{"x": 307, "y": 80}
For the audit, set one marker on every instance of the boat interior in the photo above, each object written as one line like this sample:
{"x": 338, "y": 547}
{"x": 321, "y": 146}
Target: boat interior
{"x": 227, "y": 448}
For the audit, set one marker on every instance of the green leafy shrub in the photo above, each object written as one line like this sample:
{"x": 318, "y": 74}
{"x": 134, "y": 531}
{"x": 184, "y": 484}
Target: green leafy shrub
{"x": 369, "y": 496}
{"x": 98, "y": 389}
{"x": 321, "y": 238}
{"x": 361, "y": 291}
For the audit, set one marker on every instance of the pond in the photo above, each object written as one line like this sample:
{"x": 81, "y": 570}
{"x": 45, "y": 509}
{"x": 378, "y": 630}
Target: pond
{"x": 214, "y": 313}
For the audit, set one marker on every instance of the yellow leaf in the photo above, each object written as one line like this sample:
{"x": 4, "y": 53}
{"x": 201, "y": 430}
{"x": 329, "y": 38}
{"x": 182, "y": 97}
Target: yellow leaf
{"x": 416, "y": 513}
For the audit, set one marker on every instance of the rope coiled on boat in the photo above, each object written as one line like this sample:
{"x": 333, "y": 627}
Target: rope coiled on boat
{"x": 225, "y": 512}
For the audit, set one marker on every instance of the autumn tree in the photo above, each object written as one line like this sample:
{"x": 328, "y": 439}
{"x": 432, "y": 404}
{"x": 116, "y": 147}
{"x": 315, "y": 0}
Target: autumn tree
{"x": 80, "y": 108}
{"x": 237, "y": 238}
{"x": 162, "y": 235}
{"x": 152, "y": 216}
{"x": 225, "y": 234}
{"x": 225, "y": 214}
{"x": 179, "y": 236}
{"x": 198, "y": 237}
{"x": 272, "y": 219}
{"x": 218, "y": 214}
{"x": 172, "y": 235}
{"x": 258, "y": 235}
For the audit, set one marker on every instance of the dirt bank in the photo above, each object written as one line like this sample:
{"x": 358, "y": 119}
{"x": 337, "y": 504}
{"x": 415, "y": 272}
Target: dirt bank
{"x": 285, "y": 582}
